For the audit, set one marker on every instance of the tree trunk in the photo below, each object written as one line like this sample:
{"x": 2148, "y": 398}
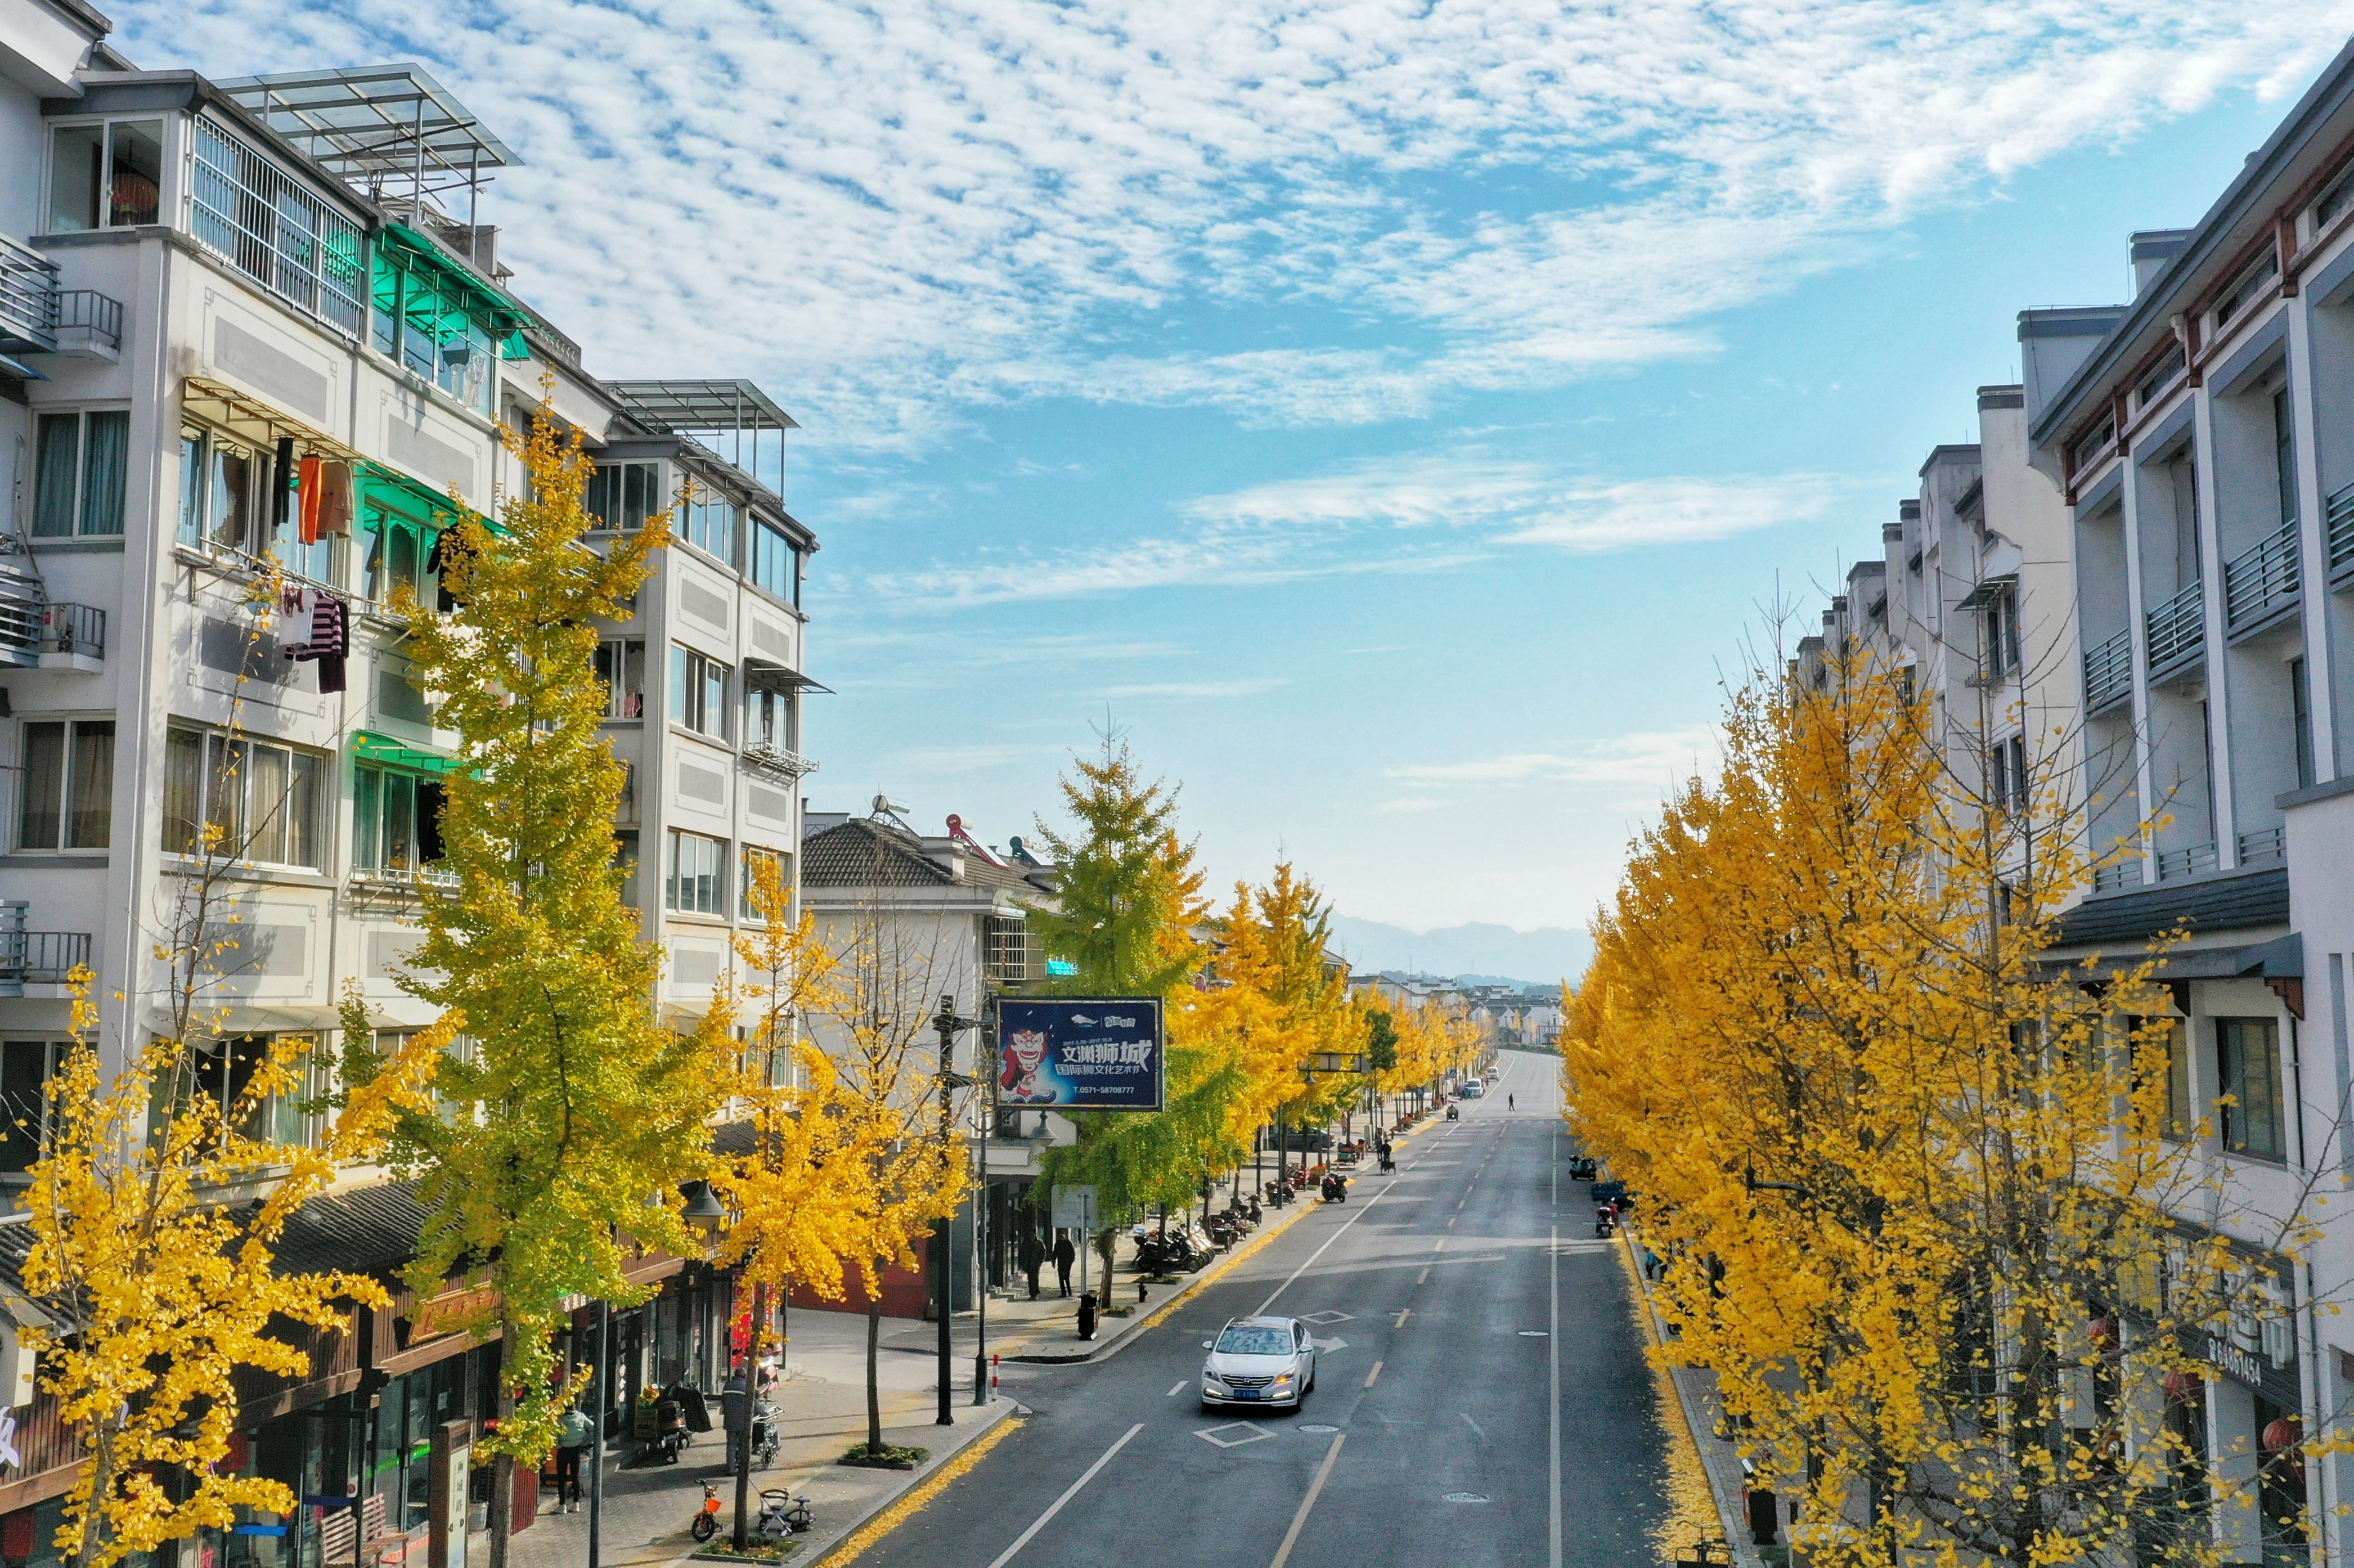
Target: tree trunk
{"x": 874, "y": 1386}
{"x": 503, "y": 1469}
{"x": 751, "y": 1413}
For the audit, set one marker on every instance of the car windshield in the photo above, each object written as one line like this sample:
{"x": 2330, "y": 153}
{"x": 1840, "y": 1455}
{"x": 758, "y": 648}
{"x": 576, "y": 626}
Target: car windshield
{"x": 1255, "y": 1341}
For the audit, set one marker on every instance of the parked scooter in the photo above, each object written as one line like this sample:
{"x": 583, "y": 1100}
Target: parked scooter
{"x": 1336, "y": 1188}
{"x": 1605, "y": 1220}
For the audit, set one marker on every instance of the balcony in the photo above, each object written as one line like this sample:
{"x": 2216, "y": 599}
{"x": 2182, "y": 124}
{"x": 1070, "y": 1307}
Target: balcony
{"x": 28, "y": 300}
{"x": 2337, "y": 536}
{"x": 2263, "y": 844}
{"x": 2189, "y": 861}
{"x": 35, "y": 958}
{"x": 2178, "y": 632}
{"x": 2108, "y": 672}
{"x": 89, "y": 325}
{"x": 2117, "y": 875}
{"x": 36, "y": 634}
{"x": 762, "y": 757}
{"x": 2261, "y": 584}
{"x": 400, "y": 883}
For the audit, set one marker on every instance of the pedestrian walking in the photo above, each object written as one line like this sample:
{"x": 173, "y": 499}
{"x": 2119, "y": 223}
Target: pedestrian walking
{"x": 576, "y": 1434}
{"x": 1033, "y": 1258}
{"x": 1066, "y": 1254}
{"x": 1511, "y": 1101}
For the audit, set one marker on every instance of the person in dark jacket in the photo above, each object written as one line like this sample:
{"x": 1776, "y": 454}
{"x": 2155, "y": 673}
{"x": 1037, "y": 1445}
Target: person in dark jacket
{"x": 1033, "y": 1258}
{"x": 1066, "y": 1254}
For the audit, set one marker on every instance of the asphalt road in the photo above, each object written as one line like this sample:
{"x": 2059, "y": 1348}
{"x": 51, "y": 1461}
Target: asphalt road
{"x": 1481, "y": 1399}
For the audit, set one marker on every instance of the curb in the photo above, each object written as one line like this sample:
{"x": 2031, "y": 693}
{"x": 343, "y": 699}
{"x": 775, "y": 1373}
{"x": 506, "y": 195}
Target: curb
{"x": 1104, "y": 1349}
{"x": 814, "y": 1547}
{"x": 1735, "y": 1523}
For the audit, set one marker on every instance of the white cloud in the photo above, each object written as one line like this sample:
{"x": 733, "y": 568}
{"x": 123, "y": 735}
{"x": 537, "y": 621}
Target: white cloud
{"x": 1641, "y": 768}
{"x": 891, "y": 212}
{"x": 1193, "y": 690}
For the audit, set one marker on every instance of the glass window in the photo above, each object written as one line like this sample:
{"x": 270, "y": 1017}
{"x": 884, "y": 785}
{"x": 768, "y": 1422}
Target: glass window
{"x": 236, "y": 507}
{"x": 69, "y": 783}
{"x": 77, "y": 177}
{"x": 624, "y": 495}
{"x": 24, "y": 1067}
{"x": 709, "y": 525}
{"x": 769, "y": 719}
{"x": 263, "y": 799}
{"x": 426, "y": 327}
{"x": 394, "y": 549}
{"x": 256, "y": 217}
{"x": 134, "y": 171}
{"x": 2247, "y": 1064}
{"x": 698, "y": 874}
{"x": 184, "y": 777}
{"x": 191, "y": 530}
{"x": 621, "y": 665}
{"x": 80, "y": 464}
{"x": 756, "y": 856}
{"x": 698, "y": 693}
{"x": 776, "y": 562}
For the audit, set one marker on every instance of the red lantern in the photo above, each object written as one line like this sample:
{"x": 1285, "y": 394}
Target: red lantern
{"x": 2281, "y": 1435}
{"x": 2104, "y": 1333}
{"x": 2184, "y": 1388}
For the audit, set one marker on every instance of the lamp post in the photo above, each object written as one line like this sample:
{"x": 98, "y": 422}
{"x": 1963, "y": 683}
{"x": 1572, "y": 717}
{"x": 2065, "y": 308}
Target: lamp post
{"x": 948, "y": 1026}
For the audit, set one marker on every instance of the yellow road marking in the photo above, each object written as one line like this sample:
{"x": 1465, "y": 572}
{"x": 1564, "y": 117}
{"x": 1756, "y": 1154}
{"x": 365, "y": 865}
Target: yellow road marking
{"x": 896, "y": 1514}
{"x": 1373, "y": 1374}
{"x": 1402, "y": 1314}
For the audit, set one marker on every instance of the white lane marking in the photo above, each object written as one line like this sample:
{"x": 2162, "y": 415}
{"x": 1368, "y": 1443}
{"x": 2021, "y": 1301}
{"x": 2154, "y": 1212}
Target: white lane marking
{"x": 1250, "y": 1434}
{"x": 1312, "y": 1256}
{"x": 1476, "y": 1429}
{"x": 1174, "y": 1391}
{"x": 1552, "y": 1354}
{"x": 1283, "y": 1552}
{"x": 1068, "y": 1493}
{"x": 1423, "y": 1275}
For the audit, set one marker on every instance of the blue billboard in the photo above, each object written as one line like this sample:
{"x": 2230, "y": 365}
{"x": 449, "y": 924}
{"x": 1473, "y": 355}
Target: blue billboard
{"x": 1080, "y": 1052}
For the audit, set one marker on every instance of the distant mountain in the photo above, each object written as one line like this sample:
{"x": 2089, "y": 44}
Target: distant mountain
{"x": 1543, "y": 957}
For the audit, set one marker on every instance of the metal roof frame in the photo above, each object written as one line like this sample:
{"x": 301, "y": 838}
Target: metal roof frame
{"x": 372, "y": 125}
{"x": 686, "y": 408}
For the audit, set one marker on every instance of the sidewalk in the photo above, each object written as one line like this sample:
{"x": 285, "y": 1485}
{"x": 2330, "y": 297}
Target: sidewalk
{"x": 1696, "y": 1392}
{"x": 822, "y": 1403}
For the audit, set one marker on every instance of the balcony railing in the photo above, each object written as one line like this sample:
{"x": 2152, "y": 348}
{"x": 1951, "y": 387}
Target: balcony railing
{"x": 764, "y": 758}
{"x": 2117, "y": 876}
{"x": 89, "y": 316}
{"x": 31, "y": 626}
{"x": 402, "y": 881}
{"x": 74, "y": 629}
{"x": 2262, "y": 581}
{"x": 2108, "y": 671}
{"x": 35, "y": 958}
{"x": 28, "y": 300}
{"x": 2338, "y": 527}
{"x": 2187, "y": 861}
{"x": 2263, "y": 844}
{"x": 2177, "y": 631}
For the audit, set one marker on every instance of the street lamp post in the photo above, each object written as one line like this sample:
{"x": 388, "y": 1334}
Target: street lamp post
{"x": 603, "y": 1384}
{"x": 948, "y": 1026}
{"x": 985, "y": 1066}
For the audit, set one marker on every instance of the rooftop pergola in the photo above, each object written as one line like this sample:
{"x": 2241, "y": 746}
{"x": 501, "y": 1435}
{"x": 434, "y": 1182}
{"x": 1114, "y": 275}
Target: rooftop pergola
{"x": 719, "y": 415}
{"x": 380, "y": 129}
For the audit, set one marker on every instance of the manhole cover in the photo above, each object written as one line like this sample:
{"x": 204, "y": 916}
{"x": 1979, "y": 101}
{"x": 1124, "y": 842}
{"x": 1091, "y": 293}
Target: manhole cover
{"x": 1463, "y": 1498}
{"x": 1321, "y": 1431}
{"x": 1532, "y": 1334}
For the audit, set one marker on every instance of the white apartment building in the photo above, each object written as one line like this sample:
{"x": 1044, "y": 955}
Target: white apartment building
{"x": 213, "y": 293}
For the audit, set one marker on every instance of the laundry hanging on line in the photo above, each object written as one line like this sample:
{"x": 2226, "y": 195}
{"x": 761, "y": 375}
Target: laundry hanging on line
{"x": 330, "y": 639}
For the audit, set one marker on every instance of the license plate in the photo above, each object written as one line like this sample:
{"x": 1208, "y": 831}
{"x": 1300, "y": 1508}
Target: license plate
{"x": 1245, "y": 1394}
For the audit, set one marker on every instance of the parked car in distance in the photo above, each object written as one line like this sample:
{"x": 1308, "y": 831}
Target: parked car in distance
{"x": 1259, "y": 1362}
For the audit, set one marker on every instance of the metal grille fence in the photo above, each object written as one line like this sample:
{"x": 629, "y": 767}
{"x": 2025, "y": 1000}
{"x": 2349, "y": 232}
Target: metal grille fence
{"x": 271, "y": 229}
{"x": 2178, "y": 629}
{"x": 2260, "y": 579}
{"x": 2108, "y": 672}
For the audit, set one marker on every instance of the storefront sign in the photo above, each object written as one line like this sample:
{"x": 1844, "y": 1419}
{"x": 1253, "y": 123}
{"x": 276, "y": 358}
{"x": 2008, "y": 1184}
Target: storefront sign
{"x": 448, "y": 1493}
{"x": 451, "y": 1313}
{"x": 2254, "y": 1369}
{"x": 1095, "y": 1052}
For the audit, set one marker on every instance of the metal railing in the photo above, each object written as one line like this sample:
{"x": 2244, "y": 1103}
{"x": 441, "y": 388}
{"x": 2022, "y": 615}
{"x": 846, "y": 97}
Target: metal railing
{"x": 2261, "y": 580}
{"x": 767, "y": 758}
{"x": 403, "y": 880}
{"x": 2187, "y": 861}
{"x": 73, "y": 628}
{"x": 39, "y": 957}
{"x": 86, "y": 310}
{"x": 2263, "y": 844}
{"x": 2177, "y": 631}
{"x": 2108, "y": 671}
{"x": 24, "y": 609}
{"x": 28, "y": 299}
{"x": 2117, "y": 876}
{"x": 273, "y": 229}
{"x": 2338, "y": 532}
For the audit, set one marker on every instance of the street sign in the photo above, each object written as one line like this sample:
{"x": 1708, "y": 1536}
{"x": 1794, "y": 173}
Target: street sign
{"x": 1074, "y": 1209}
{"x": 1080, "y": 1053}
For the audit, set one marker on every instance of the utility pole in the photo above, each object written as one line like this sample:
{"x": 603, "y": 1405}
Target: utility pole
{"x": 603, "y": 1384}
{"x": 943, "y": 1253}
{"x": 985, "y": 1065}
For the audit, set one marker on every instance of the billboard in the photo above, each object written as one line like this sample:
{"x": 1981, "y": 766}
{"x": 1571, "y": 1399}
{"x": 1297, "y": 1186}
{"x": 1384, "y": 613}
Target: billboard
{"x": 1080, "y": 1053}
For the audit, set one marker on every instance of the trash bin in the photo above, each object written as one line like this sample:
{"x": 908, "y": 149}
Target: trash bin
{"x": 1765, "y": 1517}
{"x": 1087, "y": 1315}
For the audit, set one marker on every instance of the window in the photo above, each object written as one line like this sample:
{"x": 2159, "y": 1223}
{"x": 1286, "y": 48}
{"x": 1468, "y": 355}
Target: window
{"x": 621, "y": 665}
{"x": 698, "y": 693}
{"x": 262, "y": 799}
{"x": 2150, "y": 387}
{"x": 2090, "y": 446}
{"x": 224, "y": 1071}
{"x": 274, "y": 230}
{"x": 698, "y": 874}
{"x": 1006, "y": 949}
{"x": 69, "y": 785}
{"x": 2300, "y": 702}
{"x": 2338, "y": 197}
{"x": 394, "y": 549}
{"x": 78, "y": 475}
{"x": 768, "y": 718}
{"x": 753, "y": 857}
{"x": 223, "y": 492}
{"x": 2180, "y": 1113}
{"x": 625, "y": 863}
{"x": 776, "y": 562}
{"x": 422, "y": 323}
{"x": 25, "y": 1069}
{"x": 2284, "y": 457}
{"x": 2007, "y": 781}
{"x": 396, "y": 821}
{"x": 105, "y": 177}
{"x": 2247, "y": 1068}
{"x": 2251, "y": 285}
{"x": 2002, "y": 632}
{"x": 707, "y": 522}
{"x": 624, "y": 495}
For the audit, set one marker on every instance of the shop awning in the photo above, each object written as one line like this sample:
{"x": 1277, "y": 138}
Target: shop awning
{"x": 385, "y": 752}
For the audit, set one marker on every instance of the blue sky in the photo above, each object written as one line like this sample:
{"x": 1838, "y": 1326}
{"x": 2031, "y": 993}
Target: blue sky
{"x": 1394, "y": 417}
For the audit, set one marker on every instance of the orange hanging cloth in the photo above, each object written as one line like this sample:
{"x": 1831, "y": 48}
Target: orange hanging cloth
{"x": 313, "y": 488}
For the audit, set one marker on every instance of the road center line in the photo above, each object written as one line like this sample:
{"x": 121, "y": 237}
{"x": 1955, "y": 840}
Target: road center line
{"x": 1404, "y": 1313}
{"x": 1312, "y": 1256}
{"x": 1073, "y": 1490}
{"x": 1283, "y": 1552}
{"x": 1373, "y": 1374}
{"x": 1553, "y": 1356}
{"x": 1423, "y": 1275}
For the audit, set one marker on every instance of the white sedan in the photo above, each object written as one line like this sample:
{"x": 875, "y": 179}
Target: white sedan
{"x": 1259, "y": 1362}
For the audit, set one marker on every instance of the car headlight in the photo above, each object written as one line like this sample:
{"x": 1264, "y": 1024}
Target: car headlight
{"x": 1283, "y": 1379}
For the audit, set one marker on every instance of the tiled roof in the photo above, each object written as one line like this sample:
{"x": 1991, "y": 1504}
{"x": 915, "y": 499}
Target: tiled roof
{"x": 2235, "y": 903}
{"x": 366, "y": 1229}
{"x": 859, "y": 853}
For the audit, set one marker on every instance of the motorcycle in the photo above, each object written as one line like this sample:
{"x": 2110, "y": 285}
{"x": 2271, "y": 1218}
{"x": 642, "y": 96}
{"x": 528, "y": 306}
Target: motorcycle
{"x": 1605, "y": 1220}
{"x": 1389, "y": 1160}
{"x": 1454, "y": 1113}
{"x": 1336, "y": 1189}
{"x": 707, "y": 1517}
